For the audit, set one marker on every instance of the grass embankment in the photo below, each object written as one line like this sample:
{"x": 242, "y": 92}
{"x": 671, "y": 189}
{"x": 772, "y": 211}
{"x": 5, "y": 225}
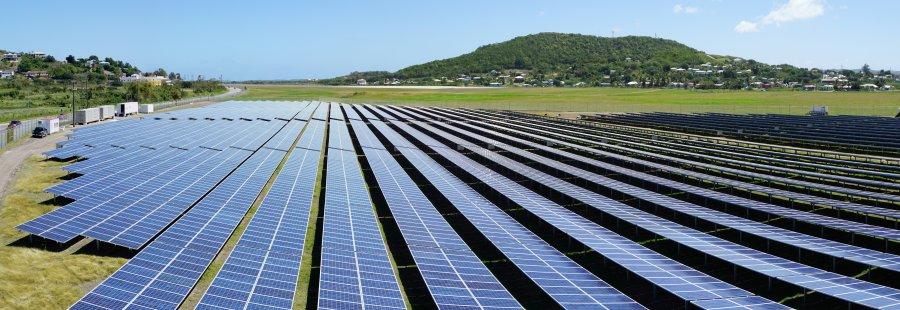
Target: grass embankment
{"x": 33, "y": 278}
{"x": 595, "y": 99}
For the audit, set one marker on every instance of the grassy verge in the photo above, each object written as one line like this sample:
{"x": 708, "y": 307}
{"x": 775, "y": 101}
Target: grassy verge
{"x": 33, "y": 278}
{"x": 595, "y": 99}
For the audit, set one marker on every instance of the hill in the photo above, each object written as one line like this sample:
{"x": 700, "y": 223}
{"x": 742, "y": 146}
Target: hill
{"x": 557, "y": 52}
{"x": 557, "y": 59}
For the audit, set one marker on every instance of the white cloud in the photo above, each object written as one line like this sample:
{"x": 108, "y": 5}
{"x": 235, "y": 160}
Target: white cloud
{"x": 793, "y": 10}
{"x": 678, "y": 9}
{"x": 745, "y": 27}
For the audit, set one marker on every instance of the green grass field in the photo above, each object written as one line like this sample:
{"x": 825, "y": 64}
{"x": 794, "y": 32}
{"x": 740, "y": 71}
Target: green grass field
{"x": 34, "y": 278}
{"x": 595, "y": 99}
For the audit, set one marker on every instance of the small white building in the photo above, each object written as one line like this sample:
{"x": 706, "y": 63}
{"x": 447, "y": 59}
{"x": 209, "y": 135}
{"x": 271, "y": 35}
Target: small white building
{"x": 11, "y": 57}
{"x": 5, "y": 74}
{"x": 361, "y": 82}
{"x": 519, "y": 79}
{"x": 51, "y": 124}
{"x": 868, "y": 87}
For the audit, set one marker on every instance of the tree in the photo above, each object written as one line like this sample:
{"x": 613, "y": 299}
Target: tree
{"x": 50, "y": 58}
{"x": 70, "y": 59}
{"x": 866, "y": 70}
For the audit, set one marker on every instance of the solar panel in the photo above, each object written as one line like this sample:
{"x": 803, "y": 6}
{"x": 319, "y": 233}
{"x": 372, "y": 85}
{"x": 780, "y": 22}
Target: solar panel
{"x": 262, "y": 270}
{"x": 664, "y": 273}
{"x": 355, "y": 271}
{"x": 751, "y": 260}
{"x": 454, "y": 275}
{"x": 566, "y": 282}
{"x": 163, "y": 273}
{"x": 835, "y": 250}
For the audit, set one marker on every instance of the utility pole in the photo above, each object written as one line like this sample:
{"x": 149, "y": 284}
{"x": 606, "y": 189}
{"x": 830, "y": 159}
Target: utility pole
{"x": 73, "y": 102}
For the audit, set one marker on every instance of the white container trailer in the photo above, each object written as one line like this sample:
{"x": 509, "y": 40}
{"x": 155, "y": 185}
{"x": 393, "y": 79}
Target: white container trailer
{"x": 146, "y": 109}
{"x": 128, "y": 108}
{"x": 86, "y": 116}
{"x": 51, "y": 124}
{"x": 107, "y": 111}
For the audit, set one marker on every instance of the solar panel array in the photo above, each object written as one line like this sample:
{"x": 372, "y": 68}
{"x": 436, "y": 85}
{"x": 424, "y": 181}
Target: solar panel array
{"x": 486, "y": 209}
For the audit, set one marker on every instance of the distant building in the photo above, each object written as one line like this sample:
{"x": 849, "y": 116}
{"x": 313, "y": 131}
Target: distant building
{"x": 809, "y": 87}
{"x": 519, "y": 79}
{"x": 5, "y": 74}
{"x": 11, "y": 57}
{"x": 496, "y": 84}
{"x": 152, "y": 80}
{"x": 37, "y": 74}
{"x": 37, "y": 54}
{"x": 361, "y": 82}
{"x": 868, "y": 87}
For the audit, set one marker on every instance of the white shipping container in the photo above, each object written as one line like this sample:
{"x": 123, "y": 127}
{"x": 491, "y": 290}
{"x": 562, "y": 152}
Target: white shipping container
{"x": 51, "y": 124}
{"x": 146, "y": 109}
{"x": 87, "y": 116}
{"x": 128, "y": 108}
{"x": 107, "y": 111}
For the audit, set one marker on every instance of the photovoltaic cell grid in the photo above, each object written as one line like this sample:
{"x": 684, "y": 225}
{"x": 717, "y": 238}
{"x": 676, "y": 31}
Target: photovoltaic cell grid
{"x": 850, "y": 206}
{"x": 680, "y": 280}
{"x": 90, "y": 210}
{"x": 262, "y": 269}
{"x": 568, "y": 283}
{"x": 825, "y": 221}
{"x": 163, "y": 273}
{"x": 454, "y": 274}
{"x": 774, "y": 234}
{"x": 841, "y": 287}
{"x": 355, "y": 271}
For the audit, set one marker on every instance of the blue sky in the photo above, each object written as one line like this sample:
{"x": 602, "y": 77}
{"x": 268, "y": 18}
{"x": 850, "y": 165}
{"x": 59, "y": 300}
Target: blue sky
{"x": 265, "y": 39}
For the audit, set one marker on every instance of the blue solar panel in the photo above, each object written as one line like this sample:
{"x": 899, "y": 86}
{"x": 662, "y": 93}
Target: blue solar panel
{"x": 163, "y": 273}
{"x": 749, "y": 259}
{"x": 355, "y": 271}
{"x": 262, "y": 270}
{"x": 777, "y": 211}
{"x": 666, "y": 274}
{"x": 452, "y": 272}
{"x": 835, "y": 250}
{"x": 565, "y": 281}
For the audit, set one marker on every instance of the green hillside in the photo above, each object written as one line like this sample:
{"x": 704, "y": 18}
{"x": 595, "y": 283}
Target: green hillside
{"x": 559, "y": 59}
{"x": 558, "y": 52}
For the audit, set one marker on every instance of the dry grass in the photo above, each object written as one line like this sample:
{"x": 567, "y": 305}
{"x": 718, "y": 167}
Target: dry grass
{"x": 34, "y": 278}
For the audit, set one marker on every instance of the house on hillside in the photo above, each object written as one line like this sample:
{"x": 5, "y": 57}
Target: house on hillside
{"x": 361, "y": 82}
{"x": 6, "y": 74}
{"x": 868, "y": 87}
{"x": 152, "y": 80}
{"x": 12, "y": 57}
{"x": 38, "y": 54}
{"x": 809, "y": 87}
{"x": 519, "y": 79}
{"x": 37, "y": 74}
{"x": 632, "y": 84}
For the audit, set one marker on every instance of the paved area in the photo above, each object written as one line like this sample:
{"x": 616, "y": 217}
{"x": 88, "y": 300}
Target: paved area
{"x": 12, "y": 158}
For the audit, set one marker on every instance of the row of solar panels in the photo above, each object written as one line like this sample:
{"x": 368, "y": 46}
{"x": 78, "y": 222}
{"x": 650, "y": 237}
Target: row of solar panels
{"x": 873, "y": 134}
{"x": 519, "y": 210}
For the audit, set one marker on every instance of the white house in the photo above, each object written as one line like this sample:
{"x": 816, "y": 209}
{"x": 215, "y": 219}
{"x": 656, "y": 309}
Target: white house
{"x": 868, "y": 86}
{"x": 361, "y": 82}
{"x": 5, "y": 74}
{"x": 154, "y": 80}
{"x": 11, "y": 57}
